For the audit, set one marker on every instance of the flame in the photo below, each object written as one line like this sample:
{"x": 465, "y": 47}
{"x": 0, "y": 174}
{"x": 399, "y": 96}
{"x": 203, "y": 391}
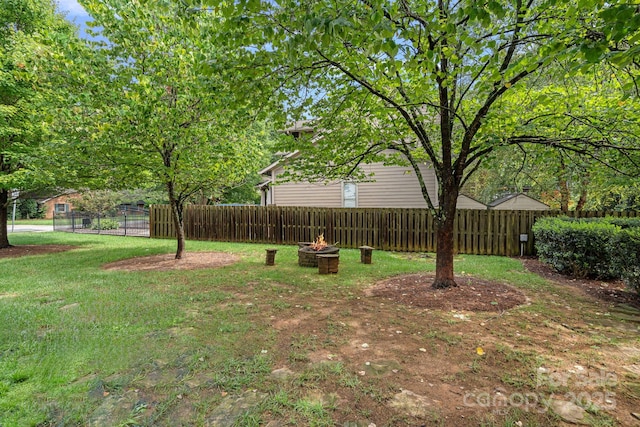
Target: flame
{"x": 319, "y": 244}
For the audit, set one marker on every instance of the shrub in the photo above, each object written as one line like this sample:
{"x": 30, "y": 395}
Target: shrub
{"x": 578, "y": 248}
{"x": 593, "y": 247}
{"x": 624, "y": 222}
{"x": 105, "y": 224}
{"x": 621, "y": 222}
{"x": 625, "y": 256}
{"x": 29, "y": 209}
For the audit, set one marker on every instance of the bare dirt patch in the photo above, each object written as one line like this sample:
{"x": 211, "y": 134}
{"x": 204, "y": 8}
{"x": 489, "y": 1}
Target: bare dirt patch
{"x": 400, "y": 353}
{"x": 410, "y": 357}
{"x": 27, "y": 250}
{"x": 165, "y": 262}
{"x": 613, "y": 291}
{"x": 471, "y": 294}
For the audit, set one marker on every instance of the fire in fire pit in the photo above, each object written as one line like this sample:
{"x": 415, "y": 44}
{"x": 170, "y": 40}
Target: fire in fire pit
{"x": 319, "y": 244}
{"x": 307, "y": 252}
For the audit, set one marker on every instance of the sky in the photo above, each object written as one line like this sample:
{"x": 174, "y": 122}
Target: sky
{"x": 75, "y": 13}
{"x": 72, "y": 7}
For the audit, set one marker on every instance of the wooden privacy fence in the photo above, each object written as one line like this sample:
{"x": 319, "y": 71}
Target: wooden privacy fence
{"x": 483, "y": 232}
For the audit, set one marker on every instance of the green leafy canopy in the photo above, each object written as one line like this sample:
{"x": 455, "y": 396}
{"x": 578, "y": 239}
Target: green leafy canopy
{"x": 165, "y": 106}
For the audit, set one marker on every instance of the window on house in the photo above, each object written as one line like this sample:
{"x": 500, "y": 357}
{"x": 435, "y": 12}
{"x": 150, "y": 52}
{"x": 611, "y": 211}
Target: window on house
{"x": 61, "y": 207}
{"x": 349, "y": 195}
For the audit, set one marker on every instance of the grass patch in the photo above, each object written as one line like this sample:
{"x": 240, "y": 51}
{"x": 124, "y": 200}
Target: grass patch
{"x": 170, "y": 345}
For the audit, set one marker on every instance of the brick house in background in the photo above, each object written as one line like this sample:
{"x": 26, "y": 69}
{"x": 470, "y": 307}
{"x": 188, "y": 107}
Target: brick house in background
{"x": 60, "y": 204}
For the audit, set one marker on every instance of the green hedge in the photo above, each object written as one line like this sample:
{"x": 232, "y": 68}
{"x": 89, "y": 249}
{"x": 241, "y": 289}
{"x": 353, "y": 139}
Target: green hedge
{"x": 624, "y": 222}
{"x": 602, "y": 248}
{"x": 577, "y": 248}
{"x": 621, "y": 222}
{"x": 625, "y": 254}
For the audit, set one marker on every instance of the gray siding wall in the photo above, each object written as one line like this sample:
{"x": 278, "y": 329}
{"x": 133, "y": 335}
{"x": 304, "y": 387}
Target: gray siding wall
{"x": 395, "y": 187}
{"x": 306, "y": 194}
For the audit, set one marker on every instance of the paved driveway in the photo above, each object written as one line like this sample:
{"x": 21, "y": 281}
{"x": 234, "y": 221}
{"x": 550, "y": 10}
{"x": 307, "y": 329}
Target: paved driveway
{"x": 20, "y": 228}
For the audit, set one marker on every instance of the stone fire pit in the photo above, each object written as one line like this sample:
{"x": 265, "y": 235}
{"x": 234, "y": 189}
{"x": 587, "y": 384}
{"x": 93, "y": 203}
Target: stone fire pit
{"x": 307, "y": 255}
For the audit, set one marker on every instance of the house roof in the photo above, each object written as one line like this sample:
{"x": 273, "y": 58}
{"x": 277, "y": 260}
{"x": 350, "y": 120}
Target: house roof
{"x": 502, "y": 199}
{"x": 513, "y": 196}
{"x": 264, "y": 184}
{"x": 64, "y": 193}
{"x": 469, "y": 197}
{"x": 299, "y": 126}
{"x": 277, "y": 163}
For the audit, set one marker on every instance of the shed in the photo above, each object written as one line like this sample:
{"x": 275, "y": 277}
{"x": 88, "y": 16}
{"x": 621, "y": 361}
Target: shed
{"x": 518, "y": 202}
{"x": 466, "y": 202}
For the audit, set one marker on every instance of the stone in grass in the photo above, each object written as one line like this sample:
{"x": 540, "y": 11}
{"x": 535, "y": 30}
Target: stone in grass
{"x": 381, "y": 368}
{"x": 325, "y": 400}
{"x": 282, "y": 373}
{"x": 358, "y": 424}
{"x": 411, "y": 404}
{"x": 570, "y": 412}
{"x": 113, "y": 410}
{"x": 233, "y": 407}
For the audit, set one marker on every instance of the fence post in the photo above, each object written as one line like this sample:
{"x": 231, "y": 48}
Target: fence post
{"x": 73, "y": 222}
{"x": 125, "y": 224}
{"x": 99, "y": 226}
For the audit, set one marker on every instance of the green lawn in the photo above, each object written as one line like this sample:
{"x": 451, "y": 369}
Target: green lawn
{"x": 176, "y": 343}
{"x": 67, "y": 325}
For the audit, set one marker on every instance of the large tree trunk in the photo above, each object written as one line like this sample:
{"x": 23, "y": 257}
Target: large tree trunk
{"x": 176, "y": 214}
{"x": 4, "y": 236}
{"x": 444, "y": 255}
{"x": 444, "y": 238}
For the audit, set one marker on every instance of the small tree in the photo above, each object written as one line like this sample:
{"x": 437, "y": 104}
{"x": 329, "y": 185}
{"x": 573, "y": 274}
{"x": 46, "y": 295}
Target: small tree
{"x": 98, "y": 202}
{"x": 163, "y": 111}
{"x": 29, "y": 209}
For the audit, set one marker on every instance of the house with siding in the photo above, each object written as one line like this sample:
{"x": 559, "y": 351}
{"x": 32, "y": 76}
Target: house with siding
{"x": 391, "y": 187}
{"x": 518, "y": 202}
